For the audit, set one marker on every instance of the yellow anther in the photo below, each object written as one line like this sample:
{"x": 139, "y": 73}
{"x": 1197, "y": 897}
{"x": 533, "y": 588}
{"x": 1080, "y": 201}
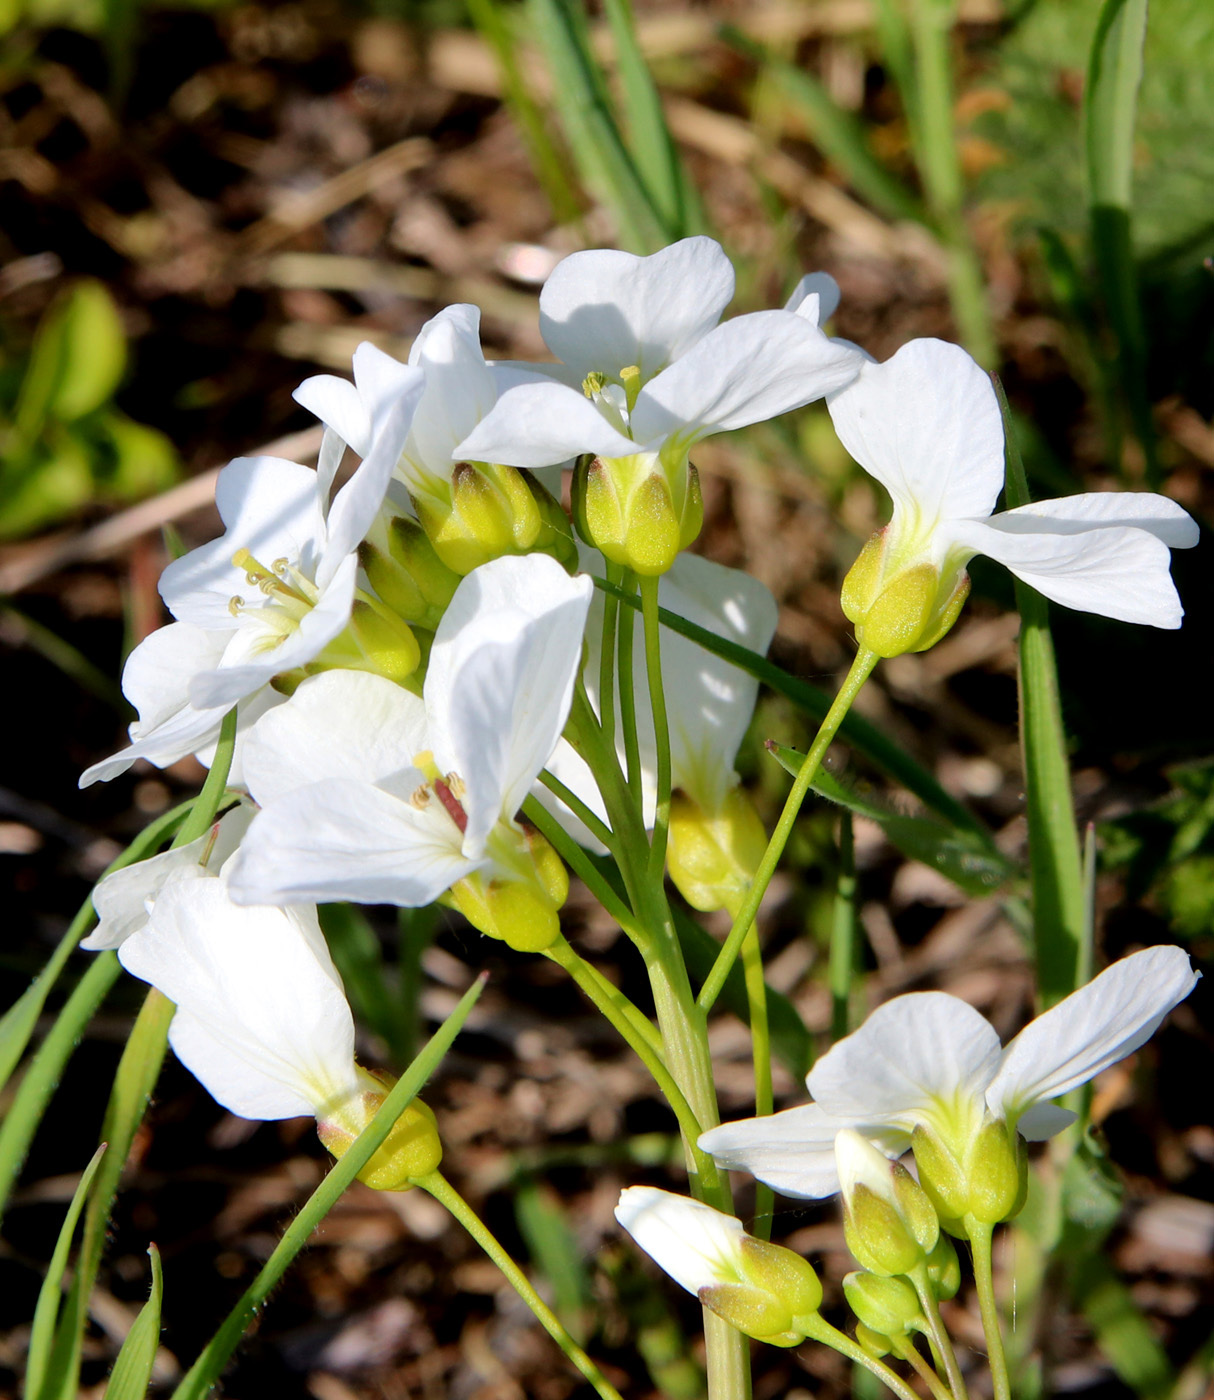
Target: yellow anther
{"x": 420, "y": 798}
{"x": 456, "y": 785}
{"x": 280, "y": 566}
{"x": 235, "y": 603}
{"x": 593, "y": 383}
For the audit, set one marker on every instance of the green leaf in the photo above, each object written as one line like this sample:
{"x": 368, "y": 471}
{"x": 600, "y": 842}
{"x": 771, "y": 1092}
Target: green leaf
{"x": 145, "y": 461}
{"x": 206, "y": 1370}
{"x": 50, "y": 480}
{"x": 544, "y": 1226}
{"x": 1055, "y": 867}
{"x": 133, "y": 1369}
{"x": 865, "y": 737}
{"x": 46, "y": 1312}
{"x": 1122, "y": 1331}
{"x": 973, "y": 864}
{"x": 77, "y": 360}
{"x": 589, "y": 122}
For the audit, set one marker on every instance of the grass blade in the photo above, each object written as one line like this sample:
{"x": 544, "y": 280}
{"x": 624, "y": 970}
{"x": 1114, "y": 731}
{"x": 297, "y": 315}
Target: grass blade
{"x": 1059, "y": 900}
{"x": 544, "y": 1226}
{"x": 46, "y": 1312}
{"x": 594, "y": 136}
{"x": 133, "y": 1368}
{"x": 1110, "y": 110}
{"x": 837, "y": 134}
{"x": 205, "y": 1371}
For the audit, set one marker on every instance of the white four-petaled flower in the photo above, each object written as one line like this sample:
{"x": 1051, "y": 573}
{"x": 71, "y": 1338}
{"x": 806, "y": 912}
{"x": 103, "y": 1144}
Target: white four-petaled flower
{"x": 929, "y": 1058}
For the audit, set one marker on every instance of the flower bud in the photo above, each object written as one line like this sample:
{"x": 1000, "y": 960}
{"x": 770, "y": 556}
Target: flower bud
{"x": 900, "y": 606}
{"x": 944, "y": 1269}
{"x": 523, "y": 911}
{"x": 887, "y": 1306}
{"x": 713, "y": 859}
{"x": 998, "y": 1172}
{"x": 889, "y": 1222}
{"x": 375, "y": 640}
{"x": 782, "y": 1272}
{"x": 493, "y": 510}
{"x": 411, "y": 1150}
{"x": 636, "y": 511}
{"x": 406, "y": 572}
{"x": 876, "y": 1344}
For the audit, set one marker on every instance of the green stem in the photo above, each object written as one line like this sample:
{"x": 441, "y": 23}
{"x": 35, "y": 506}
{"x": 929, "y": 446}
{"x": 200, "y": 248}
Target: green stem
{"x": 661, "y": 725}
{"x": 861, "y": 669}
{"x": 937, "y": 1332}
{"x": 842, "y": 967}
{"x": 210, "y": 799}
{"x": 820, "y": 1330}
{"x": 940, "y": 166}
{"x": 909, "y": 1353}
{"x": 760, "y": 1040}
{"x": 590, "y": 820}
{"x": 980, "y": 1238}
{"x": 607, "y": 645}
{"x": 628, "y": 700}
{"x": 446, "y": 1194}
{"x": 581, "y": 865}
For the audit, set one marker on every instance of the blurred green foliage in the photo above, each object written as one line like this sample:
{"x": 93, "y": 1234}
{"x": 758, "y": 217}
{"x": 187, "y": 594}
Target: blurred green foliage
{"x": 63, "y": 443}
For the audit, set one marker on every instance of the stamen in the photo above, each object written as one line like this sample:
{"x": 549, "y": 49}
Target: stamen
{"x": 420, "y": 797}
{"x": 457, "y": 785}
{"x": 593, "y": 383}
{"x": 235, "y": 603}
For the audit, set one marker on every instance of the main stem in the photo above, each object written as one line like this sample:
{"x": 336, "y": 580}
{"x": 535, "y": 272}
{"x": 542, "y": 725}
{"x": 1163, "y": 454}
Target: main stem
{"x": 980, "y": 1240}
{"x": 446, "y": 1194}
{"x": 861, "y": 669}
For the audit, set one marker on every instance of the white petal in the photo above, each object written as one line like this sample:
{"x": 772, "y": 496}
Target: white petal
{"x": 248, "y": 712}
{"x": 794, "y": 1151}
{"x": 340, "y": 839}
{"x": 859, "y": 1163}
{"x": 747, "y": 370}
{"x": 272, "y": 509}
{"x": 122, "y": 898}
{"x": 381, "y": 379}
{"x": 262, "y": 1020}
{"x": 338, "y": 405}
{"x": 911, "y": 1053}
{"x": 1113, "y": 570}
{"x": 816, "y": 297}
{"x": 926, "y": 424}
{"x": 696, "y": 1245}
{"x": 244, "y": 670}
{"x": 156, "y": 681}
{"x": 1044, "y": 1120}
{"x": 1072, "y": 515}
{"x": 606, "y": 310}
{"x": 500, "y": 680}
{"x": 460, "y": 387}
{"x": 536, "y": 425}
{"x": 341, "y": 724}
{"x": 1091, "y": 1030}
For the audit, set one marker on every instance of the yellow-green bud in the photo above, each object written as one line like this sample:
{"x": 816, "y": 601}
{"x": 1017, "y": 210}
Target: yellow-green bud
{"x": 889, "y": 1222}
{"x": 760, "y": 1315}
{"x": 998, "y": 1171}
{"x": 521, "y": 908}
{"x": 888, "y": 1306}
{"x": 635, "y": 511}
{"x": 407, "y": 573}
{"x": 411, "y": 1150}
{"x": 782, "y": 1272}
{"x": 944, "y": 1269}
{"x": 899, "y": 607}
{"x": 942, "y": 1176}
{"x": 375, "y": 640}
{"x": 712, "y": 859}
{"x": 876, "y": 1344}
{"x": 493, "y": 510}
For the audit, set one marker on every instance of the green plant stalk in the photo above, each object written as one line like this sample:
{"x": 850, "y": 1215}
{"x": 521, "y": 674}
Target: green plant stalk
{"x": 760, "y": 1041}
{"x": 581, "y": 865}
{"x": 819, "y": 1330}
{"x": 132, "y": 1371}
{"x": 205, "y": 1371}
{"x": 623, "y": 1014}
{"x": 940, "y": 167}
{"x": 589, "y": 819}
{"x": 627, "y": 694}
{"x": 942, "y": 1344}
{"x": 1055, "y": 865}
{"x": 980, "y": 1241}
{"x": 906, "y": 1349}
{"x": 607, "y": 647}
{"x": 37, "y": 1086}
{"x": 441, "y": 1189}
{"x": 861, "y": 669}
{"x": 46, "y": 1311}
{"x": 842, "y": 964}
{"x": 661, "y": 726}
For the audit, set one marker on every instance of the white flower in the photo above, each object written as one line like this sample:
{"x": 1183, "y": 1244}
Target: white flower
{"x": 261, "y": 1018}
{"x": 124, "y": 899}
{"x": 927, "y": 425}
{"x": 709, "y": 700}
{"x": 698, "y": 1246}
{"x": 645, "y": 366}
{"x": 265, "y": 598}
{"x": 930, "y": 1059}
{"x": 370, "y": 793}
